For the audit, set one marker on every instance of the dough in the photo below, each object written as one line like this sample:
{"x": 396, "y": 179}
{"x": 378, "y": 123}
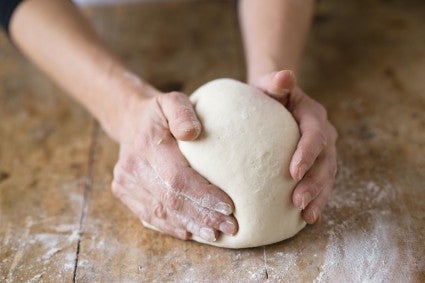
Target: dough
{"x": 245, "y": 148}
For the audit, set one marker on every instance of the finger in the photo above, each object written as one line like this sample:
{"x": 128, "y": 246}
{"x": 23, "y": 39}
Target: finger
{"x": 181, "y": 222}
{"x": 313, "y": 211}
{"x": 174, "y": 173}
{"x": 183, "y": 190}
{"x": 203, "y": 217}
{"x": 181, "y": 117}
{"x": 320, "y": 177}
{"x": 277, "y": 84}
{"x": 313, "y": 140}
{"x": 128, "y": 185}
{"x": 165, "y": 227}
{"x": 193, "y": 227}
{"x": 166, "y": 220}
{"x": 174, "y": 223}
{"x": 151, "y": 216}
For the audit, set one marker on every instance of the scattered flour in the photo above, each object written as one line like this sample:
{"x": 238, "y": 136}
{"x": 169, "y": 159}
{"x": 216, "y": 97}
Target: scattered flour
{"x": 362, "y": 256}
{"x": 36, "y": 278}
{"x": 368, "y": 242}
{"x": 48, "y": 246}
{"x": 370, "y": 251}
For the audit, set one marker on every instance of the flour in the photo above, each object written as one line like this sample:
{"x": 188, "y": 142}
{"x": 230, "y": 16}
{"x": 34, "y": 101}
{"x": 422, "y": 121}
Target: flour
{"x": 362, "y": 256}
{"x": 54, "y": 249}
{"x": 50, "y": 253}
{"x": 36, "y": 278}
{"x": 367, "y": 252}
{"x": 69, "y": 261}
{"x": 367, "y": 242}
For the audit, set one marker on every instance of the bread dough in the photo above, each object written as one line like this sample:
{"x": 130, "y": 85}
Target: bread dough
{"x": 245, "y": 147}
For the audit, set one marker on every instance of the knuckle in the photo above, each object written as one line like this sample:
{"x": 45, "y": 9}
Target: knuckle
{"x": 314, "y": 142}
{"x": 307, "y": 155}
{"x": 126, "y": 164}
{"x": 117, "y": 189}
{"x": 333, "y": 170}
{"x": 315, "y": 187}
{"x": 321, "y": 138}
{"x": 175, "y": 96}
{"x": 334, "y": 133}
{"x": 161, "y": 138}
{"x": 176, "y": 183}
{"x": 191, "y": 226}
{"x": 158, "y": 210}
{"x": 208, "y": 219}
{"x": 121, "y": 180}
{"x": 321, "y": 111}
{"x": 184, "y": 113}
{"x": 172, "y": 201}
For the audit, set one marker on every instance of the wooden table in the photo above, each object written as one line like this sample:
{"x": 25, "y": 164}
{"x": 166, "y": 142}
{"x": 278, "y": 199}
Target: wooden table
{"x": 365, "y": 61}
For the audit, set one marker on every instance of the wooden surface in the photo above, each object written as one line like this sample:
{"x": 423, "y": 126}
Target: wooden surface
{"x": 365, "y": 61}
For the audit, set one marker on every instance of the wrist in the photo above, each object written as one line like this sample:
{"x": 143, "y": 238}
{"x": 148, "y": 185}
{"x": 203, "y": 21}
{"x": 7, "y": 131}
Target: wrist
{"x": 125, "y": 93}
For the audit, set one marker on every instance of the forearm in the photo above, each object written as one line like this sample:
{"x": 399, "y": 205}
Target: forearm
{"x": 274, "y": 33}
{"x": 57, "y": 38}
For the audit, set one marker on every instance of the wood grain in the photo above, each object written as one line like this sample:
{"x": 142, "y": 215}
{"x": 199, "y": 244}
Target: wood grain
{"x": 364, "y": 61}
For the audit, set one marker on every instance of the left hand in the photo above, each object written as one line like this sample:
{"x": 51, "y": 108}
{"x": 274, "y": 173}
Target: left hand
{"x": 314, "y": 162}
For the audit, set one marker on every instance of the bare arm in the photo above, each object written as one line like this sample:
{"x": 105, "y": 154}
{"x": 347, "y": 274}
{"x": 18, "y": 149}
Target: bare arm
{"x": 145, "y": 122}
{"x": 58, "y": 39}
{"x": 274, "y": 32}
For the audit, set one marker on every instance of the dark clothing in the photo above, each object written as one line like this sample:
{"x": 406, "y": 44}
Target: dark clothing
{"x": 7, "y": 7}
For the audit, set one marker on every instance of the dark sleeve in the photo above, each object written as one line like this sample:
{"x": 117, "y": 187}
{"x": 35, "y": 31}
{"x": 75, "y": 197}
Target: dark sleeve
{"x": 7, "y": 7}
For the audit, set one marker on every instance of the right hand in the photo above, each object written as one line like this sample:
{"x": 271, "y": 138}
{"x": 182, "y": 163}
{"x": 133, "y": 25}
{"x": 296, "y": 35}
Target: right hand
{"x": 154, "y": 179}
{"x": 314, "y": 162}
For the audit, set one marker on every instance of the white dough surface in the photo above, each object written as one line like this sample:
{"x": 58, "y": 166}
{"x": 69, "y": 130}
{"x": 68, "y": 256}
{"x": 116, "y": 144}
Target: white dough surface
{"x": 245, "y": 149}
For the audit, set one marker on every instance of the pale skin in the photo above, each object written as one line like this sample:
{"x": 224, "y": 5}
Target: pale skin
{"x": 151, "y": 177}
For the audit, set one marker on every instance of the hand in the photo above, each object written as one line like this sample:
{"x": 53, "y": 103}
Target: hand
{"x": 314, "y": 161}
{"x": 154, "y": 179}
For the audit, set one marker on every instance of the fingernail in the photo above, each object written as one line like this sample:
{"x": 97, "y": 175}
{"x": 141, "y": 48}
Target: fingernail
{"x": 291, "y": 74}
{"x": 196, "y": 124}
{"x": 301, "y": 171}
{"x": 188, "y": 126}
{"x": 306, "y": 198}
{"x": 207, "y": 234}
{"x": 227, "y": 227}
{"x": 223, "y": 208}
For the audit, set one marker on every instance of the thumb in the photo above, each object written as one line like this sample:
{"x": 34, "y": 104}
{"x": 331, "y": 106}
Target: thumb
{"x": 181, "y": 117}
{"x": 277, "y": 84}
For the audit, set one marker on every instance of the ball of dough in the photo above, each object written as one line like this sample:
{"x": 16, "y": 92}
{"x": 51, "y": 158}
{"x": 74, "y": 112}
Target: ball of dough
{"x": 245, "y": 149}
